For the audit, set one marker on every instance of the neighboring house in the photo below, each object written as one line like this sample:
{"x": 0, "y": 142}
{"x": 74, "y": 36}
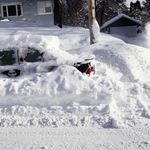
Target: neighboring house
{"x": 39, "y": 11}
{"x": 122, "y": 25}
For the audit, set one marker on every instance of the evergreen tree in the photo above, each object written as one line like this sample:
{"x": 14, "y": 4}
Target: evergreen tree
{"x": 146, "y": 11}
{"x": 75, "y": 12}
{"x": 136, "y": 10}
{"x": 106, "y": 9}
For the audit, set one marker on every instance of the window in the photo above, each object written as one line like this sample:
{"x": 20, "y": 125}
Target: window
{"x": 7, "y": 57}
{"x": 11, "y": 10}
{"x": 33, "y": 55}
{"x": 44, "y": 7}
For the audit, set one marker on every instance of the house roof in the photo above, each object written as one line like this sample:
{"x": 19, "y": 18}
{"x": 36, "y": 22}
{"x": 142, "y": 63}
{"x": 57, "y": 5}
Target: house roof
{"x": 119, "y": 17}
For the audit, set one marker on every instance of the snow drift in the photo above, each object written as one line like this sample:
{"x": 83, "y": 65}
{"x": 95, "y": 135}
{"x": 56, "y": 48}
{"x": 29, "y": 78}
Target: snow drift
{"x": 117, "y": 95}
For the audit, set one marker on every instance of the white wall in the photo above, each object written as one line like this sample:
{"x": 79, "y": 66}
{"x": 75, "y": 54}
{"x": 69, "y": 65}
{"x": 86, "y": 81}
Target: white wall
{"x": 30, "y": 12}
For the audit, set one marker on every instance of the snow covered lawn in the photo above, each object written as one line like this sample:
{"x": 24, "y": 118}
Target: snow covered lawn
{"x": 65, "y": 109}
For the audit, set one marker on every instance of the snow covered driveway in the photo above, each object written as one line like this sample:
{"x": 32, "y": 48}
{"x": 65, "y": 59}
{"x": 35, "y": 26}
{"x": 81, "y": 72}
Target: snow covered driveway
{"x": 80, "y": 138}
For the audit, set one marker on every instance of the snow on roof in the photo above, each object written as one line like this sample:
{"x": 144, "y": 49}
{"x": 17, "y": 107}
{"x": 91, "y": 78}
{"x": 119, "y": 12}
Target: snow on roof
{"x": 117, "y": 18}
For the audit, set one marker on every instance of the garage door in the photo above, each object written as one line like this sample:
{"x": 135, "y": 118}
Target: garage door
{"x": 129, "y": 31}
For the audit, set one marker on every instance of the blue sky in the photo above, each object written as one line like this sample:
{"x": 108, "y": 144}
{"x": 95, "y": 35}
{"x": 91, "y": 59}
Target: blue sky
{"x": 128, "y": 1}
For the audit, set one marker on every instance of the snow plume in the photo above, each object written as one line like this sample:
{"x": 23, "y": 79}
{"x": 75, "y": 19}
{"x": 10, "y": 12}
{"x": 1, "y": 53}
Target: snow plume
{"x": 96, "y": 31}
{"x": 147, "y": 35}
{"x": 142, "y": 39}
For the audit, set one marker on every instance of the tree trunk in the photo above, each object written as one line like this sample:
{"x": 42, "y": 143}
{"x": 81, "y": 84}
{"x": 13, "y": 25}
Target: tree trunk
{"x": 58, "y": 13}
{"x": 91, "y": 19}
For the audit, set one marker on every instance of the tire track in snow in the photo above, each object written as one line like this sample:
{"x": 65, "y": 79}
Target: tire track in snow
{"x": 75, "y": 138}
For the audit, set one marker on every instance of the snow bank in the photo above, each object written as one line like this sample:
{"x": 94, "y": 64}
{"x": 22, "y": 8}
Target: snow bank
{"x": 116, "y": 96}
{"x": 142, "y": 39}
{"x": 96, "y": 31}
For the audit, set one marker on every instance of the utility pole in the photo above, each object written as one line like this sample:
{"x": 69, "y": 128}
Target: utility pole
{"x": 92, "y": 18}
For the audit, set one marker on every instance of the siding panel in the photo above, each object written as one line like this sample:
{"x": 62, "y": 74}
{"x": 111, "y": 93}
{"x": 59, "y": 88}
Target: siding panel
{"x": 30, "y": 12}
{"x": 129, "y": 31}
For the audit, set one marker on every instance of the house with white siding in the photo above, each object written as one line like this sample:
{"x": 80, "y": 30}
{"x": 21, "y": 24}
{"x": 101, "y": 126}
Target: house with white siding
{"x": 39, "y": 11}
